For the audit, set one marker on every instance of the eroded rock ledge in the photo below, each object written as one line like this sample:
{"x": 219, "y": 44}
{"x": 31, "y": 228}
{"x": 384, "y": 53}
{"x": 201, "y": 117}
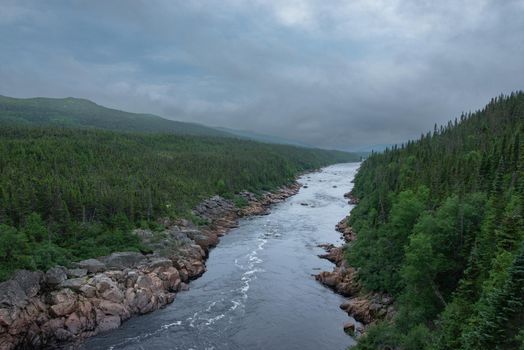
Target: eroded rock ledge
{"x": 40, "y": 309}
{"x": 364, "y": 308}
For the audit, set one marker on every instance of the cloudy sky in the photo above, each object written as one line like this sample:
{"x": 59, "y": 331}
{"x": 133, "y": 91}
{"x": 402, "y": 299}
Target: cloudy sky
{"x": 329, "y": 73}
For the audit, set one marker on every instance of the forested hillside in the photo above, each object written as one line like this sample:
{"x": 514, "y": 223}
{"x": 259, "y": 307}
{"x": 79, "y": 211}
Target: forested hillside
{"x": 69, "y": 194}
{"x": 440, "y": 226}
{"x": 76, "y": 112}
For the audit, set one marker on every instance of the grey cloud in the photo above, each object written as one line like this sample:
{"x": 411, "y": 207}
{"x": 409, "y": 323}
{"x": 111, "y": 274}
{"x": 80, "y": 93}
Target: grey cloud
{"x": 334, "y": 74}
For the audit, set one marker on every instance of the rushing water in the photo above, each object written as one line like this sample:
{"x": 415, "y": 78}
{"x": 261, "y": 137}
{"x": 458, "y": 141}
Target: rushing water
{"x": 258, "y": 291}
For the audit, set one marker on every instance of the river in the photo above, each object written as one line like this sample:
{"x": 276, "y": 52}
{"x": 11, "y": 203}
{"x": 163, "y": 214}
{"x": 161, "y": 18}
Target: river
{"x": 258, "y": 291}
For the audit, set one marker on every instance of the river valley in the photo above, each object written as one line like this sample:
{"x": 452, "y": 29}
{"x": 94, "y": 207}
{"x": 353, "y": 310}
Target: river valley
{"x": 258, "y": 291}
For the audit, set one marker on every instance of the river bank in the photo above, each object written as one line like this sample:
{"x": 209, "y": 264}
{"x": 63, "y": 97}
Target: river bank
{"x": 40, "y": 309}
{"x": 258, "y": 291}
{"x": 364, "y": 308}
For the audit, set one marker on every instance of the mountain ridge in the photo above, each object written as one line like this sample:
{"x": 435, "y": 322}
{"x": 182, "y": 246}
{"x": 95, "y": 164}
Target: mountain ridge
{"x": 84, "y": 113}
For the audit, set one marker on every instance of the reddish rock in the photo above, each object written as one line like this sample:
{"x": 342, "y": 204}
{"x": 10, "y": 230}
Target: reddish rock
{"x": 63, "y": 302}
{"x": 73, "y": 323}
{"x": 95, "y": 299}
{"x": 107, "y": 323}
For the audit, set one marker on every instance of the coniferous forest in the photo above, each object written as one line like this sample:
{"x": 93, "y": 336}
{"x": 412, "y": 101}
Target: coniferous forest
{"x": 440, "y": 227}
{"x": 68, "y": 194}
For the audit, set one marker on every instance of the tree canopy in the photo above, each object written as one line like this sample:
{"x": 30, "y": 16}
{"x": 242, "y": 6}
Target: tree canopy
{"x": 440, "y": 227}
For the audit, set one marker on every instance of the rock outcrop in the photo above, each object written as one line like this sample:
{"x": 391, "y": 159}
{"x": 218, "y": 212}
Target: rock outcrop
{"x": 96, "y": 295}
{"x": 347, "y": 232}
{"x": 365, "y": 309}
{"x": 353, "y": 200}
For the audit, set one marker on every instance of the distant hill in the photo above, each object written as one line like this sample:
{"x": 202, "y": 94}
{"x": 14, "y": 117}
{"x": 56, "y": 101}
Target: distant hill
{"x": 82, "y": 113}
{"x": 262, "y": 137}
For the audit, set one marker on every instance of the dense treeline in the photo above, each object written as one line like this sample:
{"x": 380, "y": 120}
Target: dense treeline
{"x": 68, "y": 194}
{"x": 440, "y": 226}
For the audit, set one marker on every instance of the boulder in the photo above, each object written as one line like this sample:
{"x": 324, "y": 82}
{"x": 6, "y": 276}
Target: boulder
{"x": 131, "y": 278}
{"x": 88, "y": 291}
{"x": 159, "y": 262}
{"x": 51, "y": 326}
{"x": 103, "y": 283}
{"x": 113, "y": 294}
{"x": 350, "y": 327}
{"x": 74, "y": 283}
{"x": 122, "y": 260}
{"x": 62, "y": 334}
{"x": 76, "y": 273}
{"x": 92, "y": 265}
{"x": 73, "y": 323}
{"x": 143, "y": 301}
{"x": 184, "y": 275}
{"x": 108, "y": 322}
{"x": 55, "y": 275}
{"x": 144, "y": 282}
{"x": 5, "y": 318}
{"x": 115, "y": 309}
{"x": 177, "y": 235}
{"x": 29, "y": 281}
{"x": 116, "y": 275}
{"x": 171, "y": 279}
{"x": 359, "y": 309}
{"x": 11, "y": 294}
{"x": 330, "y": 279}
{"x": 63, "y": 302}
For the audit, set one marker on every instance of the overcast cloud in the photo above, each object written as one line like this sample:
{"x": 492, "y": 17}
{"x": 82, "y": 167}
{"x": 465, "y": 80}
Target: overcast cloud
{"x": 329, "y": 73}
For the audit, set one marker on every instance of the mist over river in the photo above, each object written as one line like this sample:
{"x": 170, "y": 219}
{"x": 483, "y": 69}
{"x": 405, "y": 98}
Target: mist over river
{"x": 258, "y": 291}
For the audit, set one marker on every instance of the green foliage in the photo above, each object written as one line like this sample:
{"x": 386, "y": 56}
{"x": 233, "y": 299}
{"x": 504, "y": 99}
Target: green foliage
{"x": 81, "y": 113}
{"x": 379, "y": 337}
{"x": 69, "y": 194}
{"x": 451, "y": 252}
{"x": 14, "y": 251}
{"x": 240, "y": 202}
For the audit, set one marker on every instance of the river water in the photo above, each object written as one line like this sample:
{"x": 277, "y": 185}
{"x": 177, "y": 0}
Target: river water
{"x": 258, "y": 291}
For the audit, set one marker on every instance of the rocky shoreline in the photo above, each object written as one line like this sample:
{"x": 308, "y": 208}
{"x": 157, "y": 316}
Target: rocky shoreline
{"x": 64, "y": 305}
{"x": 363, "y": 308}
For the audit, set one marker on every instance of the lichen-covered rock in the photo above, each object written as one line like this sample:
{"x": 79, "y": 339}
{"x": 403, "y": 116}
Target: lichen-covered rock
{"x": 75, "y": 284}
{"x": 29, "y": 281}
{"x": 122, "y": 260}
{"x": 12, "y": 294}
{"x": 88, "y": 290}
{"x": 159, "y": 262}
{"x": 92, "y": 265}
{"x": 56, "y": 275}
{"x": 75, "y": 273}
